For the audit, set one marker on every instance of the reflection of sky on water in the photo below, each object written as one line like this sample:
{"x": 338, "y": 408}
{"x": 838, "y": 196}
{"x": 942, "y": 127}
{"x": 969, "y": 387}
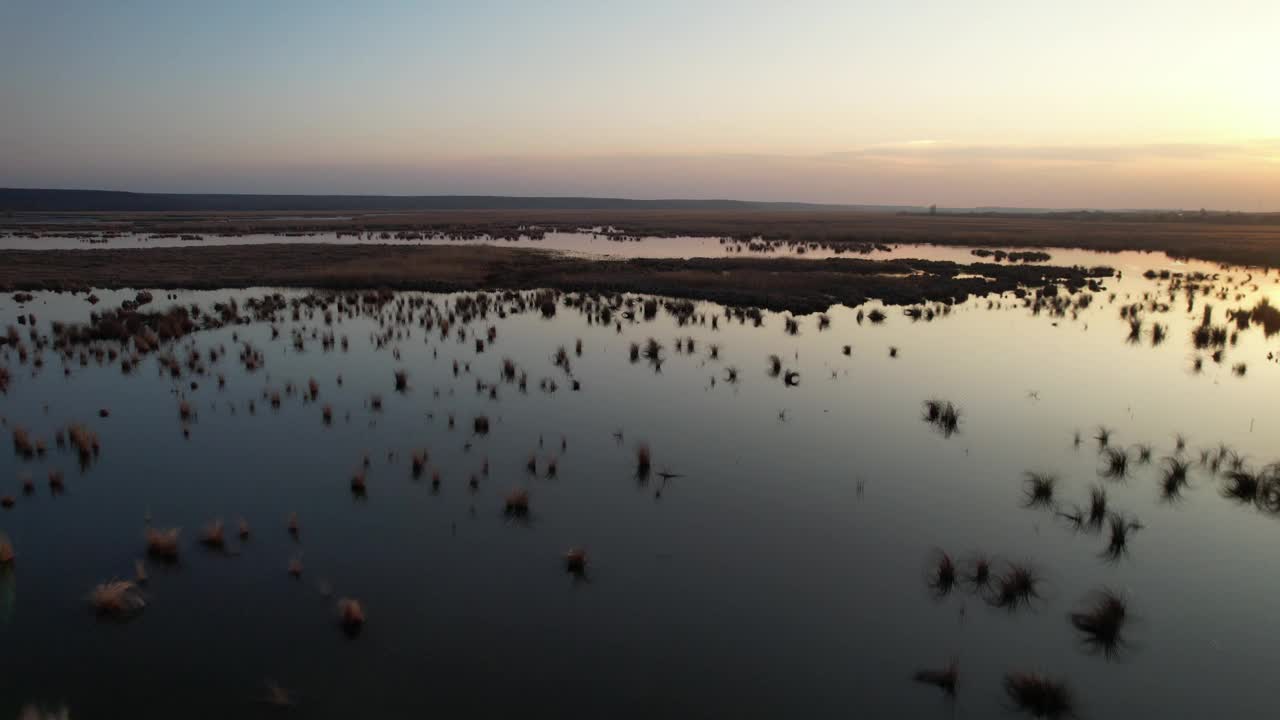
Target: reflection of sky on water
{"x": 596, "y": 245}
{"x": 760, "y": 583}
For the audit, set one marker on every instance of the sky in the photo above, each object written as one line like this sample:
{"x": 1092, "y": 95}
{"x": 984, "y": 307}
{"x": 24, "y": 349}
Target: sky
{"x": 1119, "y": 104}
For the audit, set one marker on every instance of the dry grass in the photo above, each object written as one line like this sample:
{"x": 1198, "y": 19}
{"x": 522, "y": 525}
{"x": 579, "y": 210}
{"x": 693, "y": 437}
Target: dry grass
{"x": 212, "y": 536}
{"x": 118, "y": 599}
{"x": 516, "y": 503}
{"x": 163, "y": 544}
{"x": 85, "y": 442}
{"x": 576, "y": 561}
{"x": 23, "y": 444}
{"x": 351, "y": 614}
{"x": 1241, "y": 238}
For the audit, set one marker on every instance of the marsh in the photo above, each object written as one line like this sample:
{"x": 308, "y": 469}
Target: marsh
{"x": 755, "y": 546}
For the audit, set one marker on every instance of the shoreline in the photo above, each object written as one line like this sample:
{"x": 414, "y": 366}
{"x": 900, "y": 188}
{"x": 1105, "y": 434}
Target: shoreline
{"x": 1218, "y": 238}
{"x": 796, "y": 285}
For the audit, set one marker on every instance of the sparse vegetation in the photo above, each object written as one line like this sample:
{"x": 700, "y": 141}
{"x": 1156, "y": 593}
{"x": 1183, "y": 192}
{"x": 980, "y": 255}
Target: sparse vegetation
{"x": 1039, "y": 696}
{"x": 1101, "y": 622}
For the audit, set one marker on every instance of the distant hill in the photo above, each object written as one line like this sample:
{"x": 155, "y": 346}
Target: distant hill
{"x": 42, "y": 200}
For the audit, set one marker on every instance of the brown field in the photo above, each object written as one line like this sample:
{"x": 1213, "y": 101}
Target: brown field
{"x": 780, "y": 284}
{"x": 1241, "y": 239}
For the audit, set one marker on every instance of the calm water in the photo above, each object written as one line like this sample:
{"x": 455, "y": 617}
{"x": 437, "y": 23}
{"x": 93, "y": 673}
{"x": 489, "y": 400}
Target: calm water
{"x": 782, "y": 574}
{"x": 587, "y": 244}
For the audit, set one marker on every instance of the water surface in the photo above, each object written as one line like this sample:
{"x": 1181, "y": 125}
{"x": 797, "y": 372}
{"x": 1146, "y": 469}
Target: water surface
{"x": 782, "y": 573}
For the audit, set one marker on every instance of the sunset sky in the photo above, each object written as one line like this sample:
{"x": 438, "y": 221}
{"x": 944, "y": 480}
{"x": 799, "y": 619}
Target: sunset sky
{"x": 1027, "y": 103}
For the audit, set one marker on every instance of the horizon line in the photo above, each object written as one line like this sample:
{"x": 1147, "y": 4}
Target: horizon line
{"x": 950, "y": 209}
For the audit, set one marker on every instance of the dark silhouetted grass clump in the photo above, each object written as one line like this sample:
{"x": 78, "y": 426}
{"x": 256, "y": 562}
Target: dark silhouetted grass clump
{"x": 1018, "y": 586}
{"x": 644, "y": 464}
{"x": 945, "y": 679}
{"x": 943, "y": 416}
{"x": 1103, "y": 436}
{"x": 516, "y": 503}
{"x": 978, "y": 573}
{"x": 1173, "y": 478}
{"x": 1039, "y": 696}
{"x": 943, "y": 575}
{"x": 1120, "y": 527}
{"x": 1101, "y": 622}
{"x": 1115, "y": 463}
{"x": 1039, "y": 489}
